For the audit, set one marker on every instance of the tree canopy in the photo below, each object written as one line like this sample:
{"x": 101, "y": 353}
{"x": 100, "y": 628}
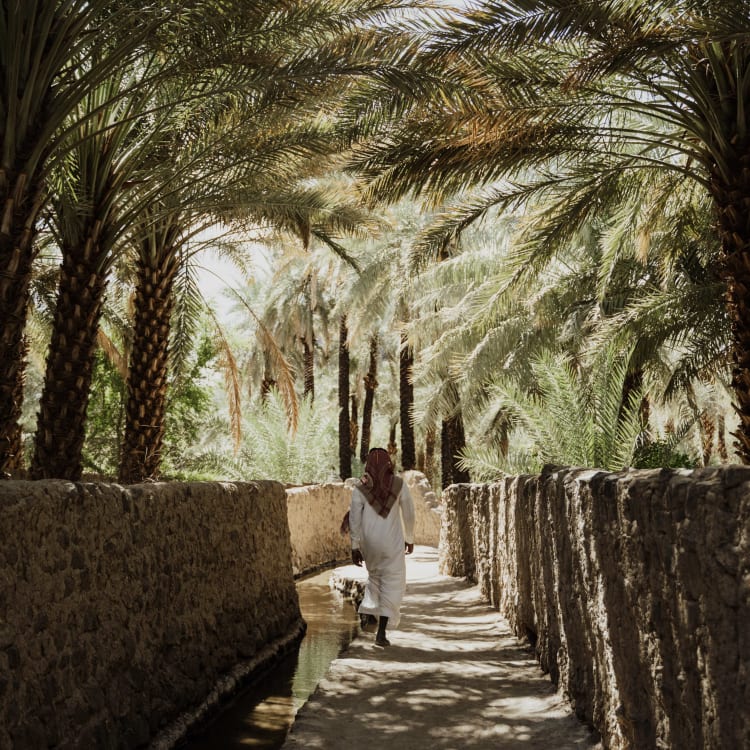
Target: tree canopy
{"x": 526, "y": 226}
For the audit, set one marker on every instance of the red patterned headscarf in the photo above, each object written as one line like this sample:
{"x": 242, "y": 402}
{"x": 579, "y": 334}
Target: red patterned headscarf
{"x": 379, "y": 484}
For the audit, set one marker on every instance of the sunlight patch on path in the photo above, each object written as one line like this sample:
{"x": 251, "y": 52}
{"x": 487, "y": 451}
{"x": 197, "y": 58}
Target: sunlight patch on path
{"x": 454, "y": 677}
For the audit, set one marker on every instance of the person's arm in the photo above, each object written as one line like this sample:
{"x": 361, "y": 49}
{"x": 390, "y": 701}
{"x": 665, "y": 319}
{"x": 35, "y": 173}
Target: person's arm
{"x": 407, "y": 516}
{"x": 355, "y": 524}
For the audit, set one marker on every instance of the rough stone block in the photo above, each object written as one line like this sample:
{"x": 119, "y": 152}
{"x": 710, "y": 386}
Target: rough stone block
{"x": 110, "y": 592}
{"x": 634, "y": 588}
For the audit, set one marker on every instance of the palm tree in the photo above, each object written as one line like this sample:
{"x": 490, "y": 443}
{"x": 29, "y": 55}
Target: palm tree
{"x": 268, "y": 94}
{"x": 452, "y": 445}
{"x": 159, "y": 261}
{"x": 55, "y": 68}
{"x": 345, "y": 454}
{"x": 559, "y": 105}
{"x": 441, "y": 334}
{"x": 663, "y": 291}
{"x": 294, "y": 302}
{"x": 308, "y": 368}
{"x": 117, "y": 166}
{"x": 57, "y": 65}
{"x": 89, "y": 215}
{"x": 573, "y": 417}
{"x": 163, "y": 265}
{"x": 369, "y": 300}
{"x": 378, "y": 299}
{"x": 310, "y": 266}
{"x": 329, "y": 270}
{"x": 406, "y": 391}
{"x": 370, "y": 384}
{"x": 474, "y": 329}
{"x": 164, "y": 246}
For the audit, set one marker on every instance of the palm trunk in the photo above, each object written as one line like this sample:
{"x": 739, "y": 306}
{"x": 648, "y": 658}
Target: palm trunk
{"x": 634, "y": 382}
{"x": 452, "y": 442}
{"x": 371, "y": 383}
{"x": 446, "y": 460}
{"x": 706, "y": 428}
{"x": 429, "y": 454}
{"x": 353, "y": 426}
{"x": 732, "y": 200}
{"x": 61, "y": 422}
{"x": 504, "y": 436}
{"x": 309, "y": 368}
{"x": 265, "y": 388}
{"x": 268, "y": 381}
{"x": 345, "y": 455}
{"x": 406, "y": 393}
{"x": 148, "y": 370}
{"x": 17, "y": 252}
{"x": 392, "y": 447}
{"x": 721, "y": 443}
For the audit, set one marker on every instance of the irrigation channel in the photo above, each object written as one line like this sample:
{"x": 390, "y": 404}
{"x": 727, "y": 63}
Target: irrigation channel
{"x": 260, "y": 716}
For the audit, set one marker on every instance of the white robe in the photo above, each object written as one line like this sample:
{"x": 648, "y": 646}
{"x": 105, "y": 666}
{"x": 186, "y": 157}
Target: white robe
{"x": 381, "y": 541}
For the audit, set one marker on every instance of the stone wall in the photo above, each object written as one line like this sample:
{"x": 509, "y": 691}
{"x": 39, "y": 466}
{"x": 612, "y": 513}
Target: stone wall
{"x": 121, "y": 607}
{"x": 316, "y": 512}
{"x": 429, "y": 511}
{"x": 634, "y": 588}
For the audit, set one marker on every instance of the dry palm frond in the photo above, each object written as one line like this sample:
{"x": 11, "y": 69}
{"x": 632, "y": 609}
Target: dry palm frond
{"x": 113, "y": 354}
{"x": 228, "y": 365}
{"x": 282, "y": 368}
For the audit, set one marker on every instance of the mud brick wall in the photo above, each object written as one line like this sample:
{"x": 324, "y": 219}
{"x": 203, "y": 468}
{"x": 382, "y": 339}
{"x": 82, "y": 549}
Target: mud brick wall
{"x": 121, "y": 606}
{"x": 634, "y": 588}
{"x": 316, "y": 512}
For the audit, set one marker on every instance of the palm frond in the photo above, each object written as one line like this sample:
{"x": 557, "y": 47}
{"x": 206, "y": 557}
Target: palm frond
{"x": 228, "y": 365}
{"x": 186, "y": 313}
{"x": 113, "y": 354}
{"x": 282, "y": 370}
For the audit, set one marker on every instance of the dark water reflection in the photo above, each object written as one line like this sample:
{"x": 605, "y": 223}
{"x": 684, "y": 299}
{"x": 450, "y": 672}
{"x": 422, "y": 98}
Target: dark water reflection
{"x": 260, "y": 717}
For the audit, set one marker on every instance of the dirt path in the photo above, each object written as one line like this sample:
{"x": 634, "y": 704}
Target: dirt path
{"x": 454, "y": 678}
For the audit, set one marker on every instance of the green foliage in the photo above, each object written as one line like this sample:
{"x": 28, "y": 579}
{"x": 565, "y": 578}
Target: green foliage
{"x": 269, "y": 450}
{"x": 658, "y": 454}
{"x": 188, "y": 409}
{"x": 309, "y": 455}
{"x": 104, "y": 419}
{"x": 487, "y": 463}
{"x": 189, "y": 405}
{"x": 581, "y": 134}
{"x": 574, "y": 417}
{"x": 578, "y": 118}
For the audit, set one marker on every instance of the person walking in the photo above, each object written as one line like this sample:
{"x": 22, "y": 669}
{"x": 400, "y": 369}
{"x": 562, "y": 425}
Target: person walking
{"x": 381, "y": 525}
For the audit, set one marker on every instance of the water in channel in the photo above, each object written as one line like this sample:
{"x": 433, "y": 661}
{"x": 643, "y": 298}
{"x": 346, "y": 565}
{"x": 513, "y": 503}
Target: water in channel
{"x": 260, "y": 716}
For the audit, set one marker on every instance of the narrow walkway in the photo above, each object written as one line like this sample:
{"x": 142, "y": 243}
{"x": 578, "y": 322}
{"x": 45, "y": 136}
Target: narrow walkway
{"x": 454, "y": 678}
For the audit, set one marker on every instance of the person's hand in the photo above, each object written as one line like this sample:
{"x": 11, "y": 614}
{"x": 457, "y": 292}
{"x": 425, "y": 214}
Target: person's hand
{"x": 357, "y": 558}
{"x": 409, "y": 548}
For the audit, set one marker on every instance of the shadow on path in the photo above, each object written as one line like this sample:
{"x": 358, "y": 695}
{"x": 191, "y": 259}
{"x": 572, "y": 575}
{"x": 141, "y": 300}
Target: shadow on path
{"x": 454, "y": 677}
